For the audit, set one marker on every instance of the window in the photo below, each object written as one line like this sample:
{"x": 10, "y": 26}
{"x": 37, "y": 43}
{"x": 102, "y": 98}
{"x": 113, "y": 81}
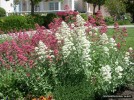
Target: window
{"x": 53, "y": 5}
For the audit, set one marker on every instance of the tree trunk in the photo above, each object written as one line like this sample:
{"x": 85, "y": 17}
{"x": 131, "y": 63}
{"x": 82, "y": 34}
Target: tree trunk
{"x": 32, "y": 7}
{"x": 94, "y": 6}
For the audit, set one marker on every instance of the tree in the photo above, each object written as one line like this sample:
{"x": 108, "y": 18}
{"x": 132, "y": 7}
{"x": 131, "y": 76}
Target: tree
{"x": 100, "y": 3}
{"x": 95, "y": 3}
{"x": 130, "y": 7}
{"x": 33, "y": 3}
{"x": 115, "y": 8}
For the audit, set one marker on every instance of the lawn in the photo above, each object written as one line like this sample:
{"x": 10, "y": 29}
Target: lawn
{"x": 129, "y": 39}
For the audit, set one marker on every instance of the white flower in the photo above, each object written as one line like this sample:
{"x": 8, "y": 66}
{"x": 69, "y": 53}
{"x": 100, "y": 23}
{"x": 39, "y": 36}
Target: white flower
{"x": 105, "y": 49}
{"x": 127, "y": 57}
{"x": 42, "y": 51}
{"x": 127, "y": 54}
{"x": 103, "y": 38}
{"x": 112, "y": 42}
{"x": 116, "y": 63}
{"x": 119, "y": 70}
{"x": 95, "y": 33}
{"x": 80, "y": 21}
{"x": 106, "y": 73}
{"x": 130, "y": 49}
{"x": 90, "y": 33}
{"x": 95, "y": 28}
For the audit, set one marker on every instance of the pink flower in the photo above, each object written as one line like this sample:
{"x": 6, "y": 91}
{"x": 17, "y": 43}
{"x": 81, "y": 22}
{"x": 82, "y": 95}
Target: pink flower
{"x": 22, "y": 58}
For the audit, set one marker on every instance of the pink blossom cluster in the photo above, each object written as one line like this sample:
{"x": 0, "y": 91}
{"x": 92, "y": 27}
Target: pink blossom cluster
{"x": 20, "y": 51}
{"x": 68, "y": 15}
{"x": 98, "y": 20}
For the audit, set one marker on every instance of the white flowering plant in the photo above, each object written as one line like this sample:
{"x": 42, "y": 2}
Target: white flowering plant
{"x": 93, "y": 55}
{"x": 65, "y": 56}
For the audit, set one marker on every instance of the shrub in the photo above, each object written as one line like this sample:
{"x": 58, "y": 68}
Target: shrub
{"x": 109, "y": 20}
{"x": 2, "y": 12}
{"x": 16, "y": 23}
{"x": 68, "y": 57}
{"x": 39, "y": 19}
{"x": 48, "y": 19}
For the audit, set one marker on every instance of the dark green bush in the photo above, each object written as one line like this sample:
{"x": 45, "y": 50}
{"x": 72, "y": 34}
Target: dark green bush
{"x": 2, "y": 12}
{"x": 38, "y": 19}
{"x": 16, "y": 23}
{"x": 109, "y": 20}
{"x": 49, "y": 18}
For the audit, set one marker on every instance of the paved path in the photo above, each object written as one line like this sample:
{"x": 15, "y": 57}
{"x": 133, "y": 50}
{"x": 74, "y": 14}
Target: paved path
{"x": 122, "y": 26}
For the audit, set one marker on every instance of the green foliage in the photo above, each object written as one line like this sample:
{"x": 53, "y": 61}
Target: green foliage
{"x": 49, "y": 18}
{"x": 84, "y": 16}
{"x": 114, "y": 7}
{"x": 39, "y": 19}
{"x": 8, "y": 84}
{"x": 124, "y": 22}
{"x": 16, "y": 23}
{"x": 109, "y": 20}
{"x": 36, "y": 19}
{"x": 2, "y": 12}
{"x": 21, "y": 82}
{"x": 79, "y": 91}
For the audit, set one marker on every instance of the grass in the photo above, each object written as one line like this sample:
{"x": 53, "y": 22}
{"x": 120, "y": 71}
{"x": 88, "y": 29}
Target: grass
{"x": 129, "y": 39}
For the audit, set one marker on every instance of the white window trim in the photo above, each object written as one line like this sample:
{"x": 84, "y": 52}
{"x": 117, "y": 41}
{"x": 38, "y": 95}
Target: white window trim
{"x": 54, "y": 5}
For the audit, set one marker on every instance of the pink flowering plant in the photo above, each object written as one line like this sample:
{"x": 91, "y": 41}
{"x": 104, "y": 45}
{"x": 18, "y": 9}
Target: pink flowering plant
{"x": 31, "y": 61}
{"x": 66, "y": 54}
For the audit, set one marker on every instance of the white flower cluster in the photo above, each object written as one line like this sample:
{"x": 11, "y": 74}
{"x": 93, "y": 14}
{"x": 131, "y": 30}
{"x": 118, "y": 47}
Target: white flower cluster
{"x": 130, "y": 49}
{"x": 106, "y": 73}
{"x": 127, "y": 57}
{"x": 82, "y": 41}
{"x": 43, "y": 52}
{"x": 103, "y": 39}
{"x": 106, "y": 50}
{"x": 85, "y": 48}
{"x": 80, "y": 21}
{"x": 63, "y": 31}
{"x": 68, "y": 46}
{"x": 119, "y": 70}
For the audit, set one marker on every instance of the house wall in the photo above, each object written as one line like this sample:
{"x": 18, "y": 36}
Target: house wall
{"x": 7, "y": 5}
{"x": 78, "y": 5}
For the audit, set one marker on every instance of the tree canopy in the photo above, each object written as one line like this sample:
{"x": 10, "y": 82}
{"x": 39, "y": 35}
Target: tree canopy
{"x": 114, "y": 7}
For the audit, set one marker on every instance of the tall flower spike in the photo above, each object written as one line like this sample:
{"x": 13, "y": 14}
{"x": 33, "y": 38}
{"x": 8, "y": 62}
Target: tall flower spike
{"x": 103, "y": 39}
{"x": 80, "y": 21}
{"x": 41, "y": 51}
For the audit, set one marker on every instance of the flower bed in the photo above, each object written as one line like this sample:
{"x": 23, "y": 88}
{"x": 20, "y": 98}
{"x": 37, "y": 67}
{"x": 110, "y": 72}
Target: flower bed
{"x": 67, "y": 55}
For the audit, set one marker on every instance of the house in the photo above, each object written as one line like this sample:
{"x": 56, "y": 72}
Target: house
{"x": 9, "y": 6}
{"x": 24, "y": 6}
